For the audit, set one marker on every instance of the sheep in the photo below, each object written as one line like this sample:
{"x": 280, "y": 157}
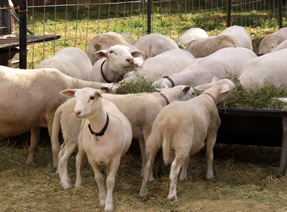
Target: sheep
{"x": 271, "y": 41}
{"x": 112, "y": 61}
{"x": 190, "y": 35}
{"x": 221, "y": 63}
{"x": 105, "y": 41}
{"x": 206, "y": 46}
{"x": 269, "y": 68}
{"x": 105, "y": 137}
{"x": 71, "y": 61}
{"x": 184, "y": 132}
{"x": 30, "y": 98}
{"x": 282, "y": 45}
{"x": 166, "y": 63}
{"x": 240, "y": 34}
{"x": 154, "y": 44}
{"x": 141, "y": 114}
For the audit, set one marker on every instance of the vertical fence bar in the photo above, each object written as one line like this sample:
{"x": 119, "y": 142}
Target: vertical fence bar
{"x": 280, "y": 14}
{"x": 23, "y": 34}
{"x": 228, "y": 15}
{"x": 149, "y": 5}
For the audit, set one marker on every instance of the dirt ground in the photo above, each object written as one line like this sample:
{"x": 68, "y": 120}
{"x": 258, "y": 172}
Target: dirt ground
{"x": 245, "y": 181}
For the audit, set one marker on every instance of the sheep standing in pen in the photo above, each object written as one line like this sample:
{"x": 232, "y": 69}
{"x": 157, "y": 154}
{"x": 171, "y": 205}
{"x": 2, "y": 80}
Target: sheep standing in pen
{"x": 154, "y": 44}
{"x": 105, "y": 41}
{"x": 112, "y": 61}
{"x": 271, "y": 41}
{"x": 269, "y": 68}
{"x": 105, "y": 137}
{"x": 140, "y": 109}
{"x": 221, "y": 63}
{"x": 30, "y": 98}
{"x": 71, "y": 61}
{"x": 190, "y": 35}
{"x": 183, "y": 133}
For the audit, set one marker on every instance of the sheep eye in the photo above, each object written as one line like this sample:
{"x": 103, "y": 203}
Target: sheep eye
{"x": 112, "y": 52}
{"x": 92, "y": 98}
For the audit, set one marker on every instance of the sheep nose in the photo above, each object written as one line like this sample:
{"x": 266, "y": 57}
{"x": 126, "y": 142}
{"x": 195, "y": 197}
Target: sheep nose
{"x": 130, "y": 60}
{"x": 77, "y": 113}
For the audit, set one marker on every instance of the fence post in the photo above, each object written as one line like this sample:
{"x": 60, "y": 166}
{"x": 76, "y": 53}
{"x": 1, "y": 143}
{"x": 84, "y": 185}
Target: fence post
{"x": 23, "y": 34}
{"x": 149, "y": 6}
{"x": 280, "y": 13}
{"x": 228, "y": 15}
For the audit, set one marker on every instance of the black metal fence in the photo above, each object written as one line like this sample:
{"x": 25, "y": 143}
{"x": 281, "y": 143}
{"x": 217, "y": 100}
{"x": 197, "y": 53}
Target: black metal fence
{"x": 76, "y": 22}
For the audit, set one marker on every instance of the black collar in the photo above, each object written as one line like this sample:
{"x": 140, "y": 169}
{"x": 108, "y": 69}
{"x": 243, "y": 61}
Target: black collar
{"x": 102, "y": 72}
{"x": 171, "y": 81}
{"x": 102, "y": 132}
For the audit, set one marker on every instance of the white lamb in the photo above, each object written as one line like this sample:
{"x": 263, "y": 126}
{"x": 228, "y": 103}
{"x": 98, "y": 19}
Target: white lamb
{"x": 190, "y": 35}
{"x": 140, "y": 109}
{"x": 30, "y": 98}
{"x": 206, "y": 46}
{"x": 221, "y": 63}
{"x": 271, "y": 41}
{"x": 71, "y": 61}
{"x": 112, "y": 61}
{"x": 269, "y": 68}
{"x": 105, "y": 137}
{"x": 240, "y": 34}
{"x": 183, "y": 133}
{"x": 154, "y": 44}
{"x": 105, "y": 41}
{"x": 164, "y": 64}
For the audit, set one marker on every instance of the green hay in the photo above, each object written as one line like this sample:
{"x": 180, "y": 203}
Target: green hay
{"x": 139, "y": 85}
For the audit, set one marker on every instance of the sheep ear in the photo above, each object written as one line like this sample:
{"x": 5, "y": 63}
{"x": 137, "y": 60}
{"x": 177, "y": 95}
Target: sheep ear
{"x": 214, "y": 79}
{"x": 282, "y": 99}
{"x": 68, "y": 92}
{"x": 203, "y": 87}
{"x": 225, "y": 88}
{"x": 98, "y": 93}
{"x": 105, "y": 89}
{"x": 137, "y": 53}
{"x": 186, "y": 89}
{"x": 100, "y": 54}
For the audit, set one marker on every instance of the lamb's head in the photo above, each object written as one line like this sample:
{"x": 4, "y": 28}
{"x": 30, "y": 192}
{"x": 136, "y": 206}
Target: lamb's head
{"x": 88, "y": 101}
{"x": 178, "y": 93}
{"x": 219, "y": 89}
{"x": 119, "y": 56}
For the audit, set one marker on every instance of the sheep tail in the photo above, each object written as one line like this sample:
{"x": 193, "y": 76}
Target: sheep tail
{"x": 166, "y": 148}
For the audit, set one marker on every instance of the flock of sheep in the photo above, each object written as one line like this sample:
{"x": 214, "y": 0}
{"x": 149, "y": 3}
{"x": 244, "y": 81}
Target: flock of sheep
{"x": 102, "y": 124}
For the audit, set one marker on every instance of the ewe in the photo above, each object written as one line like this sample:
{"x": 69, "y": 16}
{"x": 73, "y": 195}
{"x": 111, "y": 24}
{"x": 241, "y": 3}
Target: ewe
{"x": 190, "y": 35}
{"x": 30, "y": 98}
{"x": 183, "y": 133}
{"x": 105, "y": 137}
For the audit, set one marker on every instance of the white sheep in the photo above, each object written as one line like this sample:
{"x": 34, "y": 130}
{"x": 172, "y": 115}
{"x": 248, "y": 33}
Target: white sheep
{"x": 112, "y": 61}
{"x": 206, "y": 46}
{"x": 140, "y": 109}
{"x": 154, "y": 44}
{"x": 190, "y": 35}
{"x": 30, "y": 98}
{"x": 271, "y": 41}
{"x": 282, "y": 45}
{"x": 269, "y": 68}
{"x": 184, "y": 133}
{"x": 105, "y": 137}
{"x": 166, "y": 63}
{"x": 240, "y": 34}
{"x": 221, "y": 63}
{"x": 71, "y": 61}
{"x": 105, "y": 41}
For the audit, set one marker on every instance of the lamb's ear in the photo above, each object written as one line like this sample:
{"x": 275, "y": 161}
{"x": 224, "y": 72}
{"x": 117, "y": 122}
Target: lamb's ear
{"x": 203, "y": 87}
{"x": 214, "y": 79}
{"x": 186, "y": 89}
{"x": 137, "y": 53}
{"x": 282, "y": 99}
{"x": 69, "y": 92}
{"x": 225, "y": 88}
{"x": 100, "y": 54}
{"x": 98, "y": 93}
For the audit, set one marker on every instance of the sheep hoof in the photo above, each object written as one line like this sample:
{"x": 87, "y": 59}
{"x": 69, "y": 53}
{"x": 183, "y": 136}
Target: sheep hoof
{"x": 32, "y": 165}
{"x": 172, "y": 198}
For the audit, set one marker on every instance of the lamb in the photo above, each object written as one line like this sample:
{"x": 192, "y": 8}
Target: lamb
{"x": 141, "y": 114}
{"x": 206, "y": 46}
{"x": 282, "y": 45}
{"x": 183, "y": 134}
{"x": 71, "y": 61}
{"x": 271, "y": 41}
{"x": 30, "y": 98}
{"x": 112, "y": 61}
{"x": 166, "y": 63}
{"x": 105, "y": 137}
{"x": 154, "y": 44}
{"x": 105, "y": 41}
{"x": 240, "y": 34}
{"x": 190, "y": 35}
{"x": 221, "y": 63}
{"x": 269, "y": 68}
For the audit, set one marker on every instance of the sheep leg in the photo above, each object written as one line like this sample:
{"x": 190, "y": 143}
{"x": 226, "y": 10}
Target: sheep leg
{"x": 79, "y": 161}
{"x": 63, "y": 163}
{"x": 210, "y": 141}
{"x": 183, "y": 173}
{"x": 34, "y": 139}
{"x": 143, "y": 154}
{"x": 283, "y": 159}
{"x": 112, "y": 171}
